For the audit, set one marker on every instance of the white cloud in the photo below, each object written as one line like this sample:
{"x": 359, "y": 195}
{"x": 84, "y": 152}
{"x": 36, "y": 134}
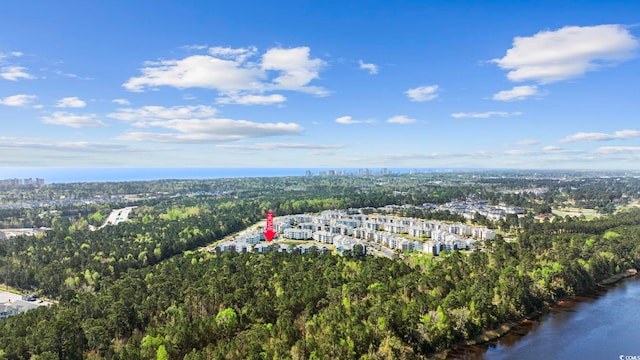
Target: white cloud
{"x": 371, "y": 68}
{"x": 228, "y": 71}
{"x": 14, "y": 73}
{"x": 121, "y": 101}
{"x": 322, "y": 153}
{"x": 400, "y": 119}
{"x": 195, "y": 124}
{"x": 519, "y": 152}
{"x": 10, "y": 54}
{"x": 71, "y": 75}
{"x": 238, "y": 55}
{"x": 566, "y": 53}
{"x": 348, "y": 120}
{"x": 485, "y": 115}
{"x": 67, "y": 146}
{"x": 252, "y": 99}
{"x": 423, "y": 93}
{"x": 277, "y": 146}
{"x": 73, "y": 120}
{"x": 18, "y": 100}
{"x": 296, "y": 69}
{"x": 154, "y": 113}
{"x": 71, "y": 102}
{"x": 528, "y": 142}
{"x": 545, "y": 151}
{"x": 194, "y": 47}
{"x": 437, "y": 156}
{"x": 617, "y": 149}
{"x": 551, "y": 148}
{"x": 211, "y": 130}
{"x": 517, "y": 93}
{"x": 199, "y": 71}
{"x": 596, "y": 136}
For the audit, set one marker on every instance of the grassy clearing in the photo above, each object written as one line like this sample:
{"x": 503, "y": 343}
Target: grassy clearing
{"x": 631, "y": 205}
{"x": 587, "y": 213}
{"x": 293, "y": 242}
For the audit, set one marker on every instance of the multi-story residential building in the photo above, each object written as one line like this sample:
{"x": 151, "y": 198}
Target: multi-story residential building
{"x": 419, "y": 232}
{"x": 322, "y": 221}
{"x": 280, "y": 226}
{"x": 311, "y": 226}
{"x": 298, "y": 234}
{"x": 233, "y": 245}
{"x": 371, "y": 225}
{"x": 302, "y": 218}
{"x": 346, "y": 243}
{"x": 396, "y": 228}
{"x": 323, "y": 237}
{"x": 341, "y": 229}
{"x": 250, "y": 237}
{"x": 349, "y": 222}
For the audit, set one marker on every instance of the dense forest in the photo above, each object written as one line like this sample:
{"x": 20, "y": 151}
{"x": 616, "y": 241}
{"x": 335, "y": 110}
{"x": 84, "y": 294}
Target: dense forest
{"x": 138, "y": 290}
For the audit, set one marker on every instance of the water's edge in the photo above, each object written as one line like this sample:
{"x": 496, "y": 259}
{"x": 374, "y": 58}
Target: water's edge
{"x": 470, "y": 345}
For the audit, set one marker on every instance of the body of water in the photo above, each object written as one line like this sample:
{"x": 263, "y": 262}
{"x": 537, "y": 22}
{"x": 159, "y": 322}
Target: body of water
{"x": 604, "y": 325}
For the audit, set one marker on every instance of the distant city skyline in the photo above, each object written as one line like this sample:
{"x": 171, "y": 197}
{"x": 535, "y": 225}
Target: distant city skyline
{"x": 284, "y": 84}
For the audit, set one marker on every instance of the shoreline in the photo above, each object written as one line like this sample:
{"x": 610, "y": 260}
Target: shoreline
{"x": 617, "y": 277}
{"x": 496, "y": 333}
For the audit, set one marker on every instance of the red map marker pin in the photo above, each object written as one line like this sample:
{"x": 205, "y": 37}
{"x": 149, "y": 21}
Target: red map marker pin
{"x": 269, "y": 233}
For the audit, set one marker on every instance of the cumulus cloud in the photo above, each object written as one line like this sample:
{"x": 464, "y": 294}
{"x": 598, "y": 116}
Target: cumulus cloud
{"x": 348, "y": 120}
{"x": 252, "y": 99}
{"x": 296, "y": 69}
{"x": 598, "y": 136}
{"x": 485, "y": 115}
{"x": 14, "y": 73}
{"x": 121, "y": 101}
{"x": 277, "y": 146}
{"x": 212, "y": 130}
{"x": 517, "y": 93}
{"x": 199, "y": 71}
{"x": 236, "y": 54}
{"x": 229, "y": 71}
{"x": 71, "y": 102}
{"x": 73, "y": 120}
{"x": 371, "y": 68}
{"x": 401, "y": 119}
{"x": 569, "y": 52}
{"x": 423, "y": 93}
{"x": 18, "y": 100}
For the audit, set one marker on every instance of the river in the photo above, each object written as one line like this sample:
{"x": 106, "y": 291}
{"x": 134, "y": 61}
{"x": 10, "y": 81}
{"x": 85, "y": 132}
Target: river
{"x": 600, "y": 326}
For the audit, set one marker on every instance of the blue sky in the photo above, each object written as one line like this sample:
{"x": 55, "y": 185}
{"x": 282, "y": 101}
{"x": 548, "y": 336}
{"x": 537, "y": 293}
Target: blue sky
{"x": 336, "y": 84}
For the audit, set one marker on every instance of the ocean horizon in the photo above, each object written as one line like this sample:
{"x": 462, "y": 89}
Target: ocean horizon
{"x": 53, "y": 175}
